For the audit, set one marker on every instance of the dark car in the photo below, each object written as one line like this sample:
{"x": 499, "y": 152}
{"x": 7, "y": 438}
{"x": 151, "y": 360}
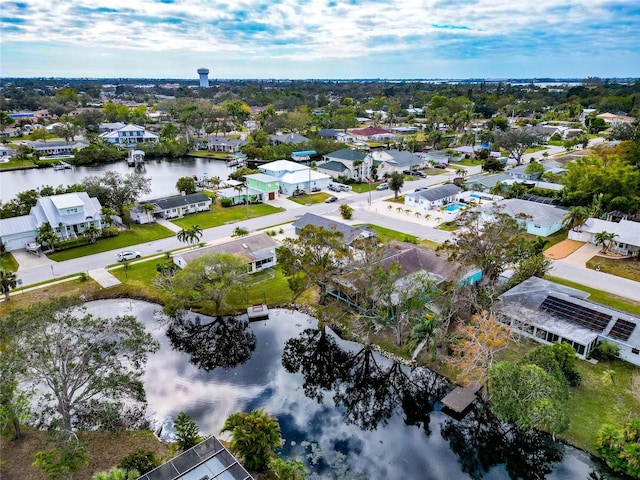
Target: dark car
{"x": 441, "y": 166}
{"x": 331, "y": 199}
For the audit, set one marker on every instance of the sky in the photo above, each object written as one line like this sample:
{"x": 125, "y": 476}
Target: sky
{"x": 324, "y": 39}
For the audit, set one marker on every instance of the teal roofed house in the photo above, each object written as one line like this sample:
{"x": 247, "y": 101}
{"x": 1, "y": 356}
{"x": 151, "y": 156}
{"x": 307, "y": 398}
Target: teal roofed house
{"x": 346, "y": 163}
{"x": 264, "y": 183}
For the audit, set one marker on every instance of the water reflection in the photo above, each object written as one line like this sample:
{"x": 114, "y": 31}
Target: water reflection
{"x": 222, "y": 342}
{"x": 415, "y": 440}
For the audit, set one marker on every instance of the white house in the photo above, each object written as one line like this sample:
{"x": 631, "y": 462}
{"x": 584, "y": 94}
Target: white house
{"x": 432, "y": 198}
{"x": 625, "y": 242}
{"x": 130, "y": 134}
{"x": 221, "y": 144}
{"x": 538, "y": 218}
{"x": 292, "y": 138}
{"x": 68, "y": 214}
{"x": 55, "y": 148}
{"x": 294, "y": 177}
{"x": 389, "y": 161}
{"x": 170, "y": 207}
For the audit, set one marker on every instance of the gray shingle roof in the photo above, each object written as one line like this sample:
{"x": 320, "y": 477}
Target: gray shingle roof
{"x": 333, "y": 166}
{"x": 438, "y": 193}
{"x": 349, "y": 233}
{"x": 166, "y": 203}
{"x": 253, "y": 247}
{"x": 346, "y": 154}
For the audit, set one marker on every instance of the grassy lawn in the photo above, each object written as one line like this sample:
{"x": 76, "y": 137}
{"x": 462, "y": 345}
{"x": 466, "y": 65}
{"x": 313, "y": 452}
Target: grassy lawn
{"x": 364, "y": 187}
{"x": 449, "y": 226}
{"x": 596, "y": 401}
{"x": 218, "y": 215}
{"x": 17, "y": 163}
{"x": 599, "y": 296}
{"x": 386, "y": 234}
{"x": 467, "y": 162}
{"x": 311, "y": 199}
{"x": 551, "y": 239}
{"x": 207, "y": 154}
{"x": 8, "y": 262}
{"x": 133, "y": 236}
{"x": 623, "y": 267}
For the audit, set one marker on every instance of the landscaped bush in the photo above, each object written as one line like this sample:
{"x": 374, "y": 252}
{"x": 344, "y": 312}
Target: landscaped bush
{"x": 605, "y": 351}
{"x": 226, "y": 202}
{"x": 142, "y": 461}
{"x": 74, "y": 242}
{"x": 109, "y": 232}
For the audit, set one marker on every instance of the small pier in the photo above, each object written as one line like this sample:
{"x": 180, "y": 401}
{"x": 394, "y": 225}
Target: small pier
{"x": 62, "y": 165}
{"x": 461, "y": 398}
{"x": 257, "y": 312}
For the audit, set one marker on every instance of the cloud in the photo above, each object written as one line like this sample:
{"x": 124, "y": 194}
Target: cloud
{"x": 325, "y": 32}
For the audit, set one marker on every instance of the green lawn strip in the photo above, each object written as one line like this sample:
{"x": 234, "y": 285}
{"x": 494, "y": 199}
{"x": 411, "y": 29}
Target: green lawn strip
{"x": 551, "y": 239}
{"x": 310, "y": 199}
{"x": 219, "y": 215}
{"x": 207, "y": 154}
{"x": 449, "y": 226}
{"x": 8, "y": 262}
{"x": 599, "y": 296}
{"x": 467, "y": 162}
{"x": 133, "y": 236}
{"x": 275, "y": 227}
{"x": 623, "y": 267}
{"x": 386, "y": 234}
{"x": 596, "y": 402}
{"x": 17, "y": 164}
{"x": 364, "y": 187}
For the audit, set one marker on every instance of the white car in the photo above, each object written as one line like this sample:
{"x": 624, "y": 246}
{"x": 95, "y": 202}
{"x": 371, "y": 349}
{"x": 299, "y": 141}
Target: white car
{"x": 383, "y": 186}
{"x": 128, "y": 255}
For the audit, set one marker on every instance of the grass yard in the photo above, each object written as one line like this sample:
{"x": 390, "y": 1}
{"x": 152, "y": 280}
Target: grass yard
{"x": 310, "y": 199}
{"x": 219, "y": 215}
{"x": 551, "y": 239}
{"x": 133, "y": 236}
{"x": 599, "y": 296}
{"x": 386, "y": 234}
{"x": 364, "y": 187}
{"x": 623, "y": 267}
{"x": 207, "y": 154}
{"x": 597, "y": 401}
{"x": 17, "y": 164}
{"x": 106, "y": 449}
{"x": 8, "y": 262}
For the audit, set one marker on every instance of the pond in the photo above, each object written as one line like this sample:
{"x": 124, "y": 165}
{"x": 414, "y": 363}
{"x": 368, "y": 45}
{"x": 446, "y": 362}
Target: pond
{"x": 163, "y": 172}
{"x": 343, "y": 409}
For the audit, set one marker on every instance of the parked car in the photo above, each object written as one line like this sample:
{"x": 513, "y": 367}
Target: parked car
{"x": 441, "y": 166}
{"x": 128, "y": 255}
{"x": 420, "y": 174}
{"x": 331, "y": 199}
{"x": 420, "y": 189}
{"x": 383, "y": 186}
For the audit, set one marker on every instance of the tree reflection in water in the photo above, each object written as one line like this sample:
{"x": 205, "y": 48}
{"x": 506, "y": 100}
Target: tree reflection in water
{"x": 481, "y": 441}
{"x": 223, "y": 342}
{"x": 368, "y": 390}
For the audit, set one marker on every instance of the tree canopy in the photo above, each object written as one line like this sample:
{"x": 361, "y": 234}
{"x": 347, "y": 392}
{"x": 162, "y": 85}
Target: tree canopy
{"x": 115, "y": 190}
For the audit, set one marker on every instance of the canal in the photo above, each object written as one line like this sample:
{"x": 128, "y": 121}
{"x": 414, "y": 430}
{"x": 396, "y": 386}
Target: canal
{"x": 163, "y": 173}
{"x": 344, "y": 410}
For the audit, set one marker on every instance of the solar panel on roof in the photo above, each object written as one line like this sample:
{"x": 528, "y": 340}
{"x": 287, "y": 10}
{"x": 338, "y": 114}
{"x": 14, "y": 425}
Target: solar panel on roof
{"x": 583, "y": 316}
{"x": 622, "y": 329}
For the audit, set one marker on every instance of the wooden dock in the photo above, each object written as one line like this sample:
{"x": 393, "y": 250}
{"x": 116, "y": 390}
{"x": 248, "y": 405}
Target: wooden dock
{"x": 461, "y": 398}
{"x": 257, "y": 312}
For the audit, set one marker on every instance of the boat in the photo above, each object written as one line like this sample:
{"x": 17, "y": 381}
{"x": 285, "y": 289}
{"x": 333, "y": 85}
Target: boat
{"x": 135, "y": 158}
{"x": 62, "y": 165}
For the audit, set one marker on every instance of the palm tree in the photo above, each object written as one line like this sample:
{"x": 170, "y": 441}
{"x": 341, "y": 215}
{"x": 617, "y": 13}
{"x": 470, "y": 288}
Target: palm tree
{"x": 254, "y": 437}
{"x": 92, "y": 233}
{"x": 575, "y": 218}
{"x": 461, "y": 172}
{"x": 7, "y": 281}
{"x": 148, "y": 209}
{"x": 604, "y": 239}
{"x": 116, "y": 474}
{"x": 190, "y": 235}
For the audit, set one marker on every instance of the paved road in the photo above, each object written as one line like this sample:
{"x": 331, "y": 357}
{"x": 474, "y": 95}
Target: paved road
{"x": 598, "y": 280}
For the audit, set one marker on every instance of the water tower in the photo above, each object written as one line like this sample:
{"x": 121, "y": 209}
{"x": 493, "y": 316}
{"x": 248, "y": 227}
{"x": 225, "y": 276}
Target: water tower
{"x": 204, "y": 77}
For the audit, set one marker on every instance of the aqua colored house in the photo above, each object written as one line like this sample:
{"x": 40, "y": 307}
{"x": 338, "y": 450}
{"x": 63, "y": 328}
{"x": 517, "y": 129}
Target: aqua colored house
{"x": 264, "y": 183}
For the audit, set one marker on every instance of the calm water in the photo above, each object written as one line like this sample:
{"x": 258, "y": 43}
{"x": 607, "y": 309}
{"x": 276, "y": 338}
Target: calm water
{"x": 163, "y": 173}
{"x": 344, "y": 410}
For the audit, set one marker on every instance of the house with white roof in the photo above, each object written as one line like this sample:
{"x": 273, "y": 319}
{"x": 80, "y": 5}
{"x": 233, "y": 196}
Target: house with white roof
{"x": 432, "y": 198}
{"x": 68, "y": 214}
{"x": 625, "y": 242}
{"x": 389, "y": 161}
{"x": 537, "y": 218}
{"x": 55, "y": 148}
{"x": 130, "y": 134}
{"x": 221, "y": 144}
{"x": 293, "y": 177}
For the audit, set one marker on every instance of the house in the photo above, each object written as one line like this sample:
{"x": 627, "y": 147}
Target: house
{"x": 5, "y": 153}
{"x": 221, "y": 144}
{"x": 389, "y": 161}
{"x": 129, "y": 134}
{"x": 242, "y": 195}
{"x": 548, "y": 312}
{"x": 55, "y": 148}
{"x": 537, "y": 218}
{"x": 351, "y": 235}
{"x": 612, "y": 119}
{"x": 293, "y": 177}
{"x": 519, "y": 172}
{"x": 625, "y": 242}
{"x": 328, "y": 133}
{"x": 110, "y": 126}
{"x": 208, "y": 460}
{"x": 68, "y": 214}
{"x": 484, "y": 183}
{"x": 175, "y": 206}
{"x": 259, "y": 251}
{"x": 292, "y": 138}
{"x": 346, "y": 163}
{"x": 266, "y": 185}
{"x": 372, "y": 134}
{"x": 432, "y": 198}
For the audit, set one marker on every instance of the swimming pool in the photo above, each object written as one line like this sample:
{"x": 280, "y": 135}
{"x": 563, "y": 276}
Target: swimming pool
{"x": 452, "y": 207}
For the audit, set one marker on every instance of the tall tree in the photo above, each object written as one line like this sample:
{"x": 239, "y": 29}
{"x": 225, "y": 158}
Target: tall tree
{"x": 117, "y": 191}
{"x": 85, "y": 364}
{"x": 254, "y": 437}
{"x": 186, "y": 431}
{"x": 186, "y": 185}
{"x": 517, "y": 141}
{"x": 396, "y": 182}
{"x": 190, "y": 235}
{"x": 8, "y": 281}
{"x": 209, "y": 278}
{"x": 604, "y": 239}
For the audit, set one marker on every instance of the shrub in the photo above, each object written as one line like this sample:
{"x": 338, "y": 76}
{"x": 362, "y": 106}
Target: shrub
{"x": 410, "y": 240}
{"x": 346, "y": 211}
{"x": 141, "y": 460}
{"x": 226, "y": 202}
{"x": 605, "y": 351}
{"x": 109, "y": 232}
{"x": 74, "y": 242}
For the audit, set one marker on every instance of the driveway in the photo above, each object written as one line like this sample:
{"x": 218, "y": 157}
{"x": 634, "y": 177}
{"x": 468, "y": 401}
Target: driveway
{"x": 28, "y": 260}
